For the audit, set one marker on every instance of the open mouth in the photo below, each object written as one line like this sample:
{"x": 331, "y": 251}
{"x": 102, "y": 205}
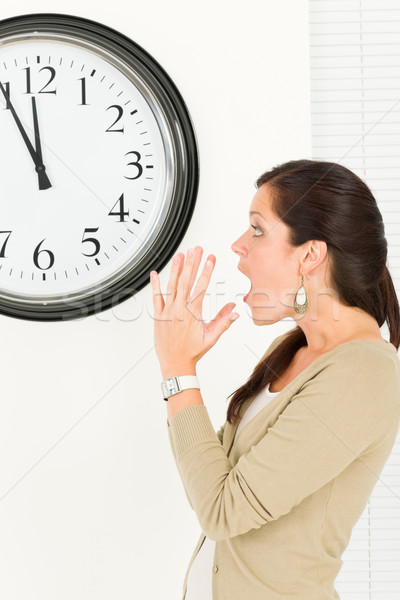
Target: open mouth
{"x": 247, "y": 295}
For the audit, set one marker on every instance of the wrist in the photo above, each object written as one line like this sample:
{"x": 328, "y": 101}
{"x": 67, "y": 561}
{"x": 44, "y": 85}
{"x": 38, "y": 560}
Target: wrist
{"x": 175, "y": 369}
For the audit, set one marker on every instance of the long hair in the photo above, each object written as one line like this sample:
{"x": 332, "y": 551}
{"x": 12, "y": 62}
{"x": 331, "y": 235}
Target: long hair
{"x": 320, "y": 200}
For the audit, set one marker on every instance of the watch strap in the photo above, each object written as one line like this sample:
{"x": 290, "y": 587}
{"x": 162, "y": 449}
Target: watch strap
{"x": 177, "y": 384}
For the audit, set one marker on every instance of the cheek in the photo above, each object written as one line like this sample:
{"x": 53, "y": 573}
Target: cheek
{"x": 270, "y": 263}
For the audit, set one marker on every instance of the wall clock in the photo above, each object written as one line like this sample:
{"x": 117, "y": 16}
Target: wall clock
{"x": 98, "y": 163}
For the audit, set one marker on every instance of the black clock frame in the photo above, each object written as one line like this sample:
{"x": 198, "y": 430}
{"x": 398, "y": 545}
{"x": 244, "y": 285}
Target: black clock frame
{"x": 186, "y": 179}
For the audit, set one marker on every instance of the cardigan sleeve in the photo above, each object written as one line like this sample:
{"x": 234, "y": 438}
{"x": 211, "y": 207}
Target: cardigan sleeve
{"x": 219, "y": 435}
{"x": 337, "y": 415}
{"x": 220, "y": 432}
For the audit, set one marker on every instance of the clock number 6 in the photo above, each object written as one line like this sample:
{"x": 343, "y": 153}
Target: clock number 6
{"x": 91, "y": 239}
{"x": 36, "y": 257}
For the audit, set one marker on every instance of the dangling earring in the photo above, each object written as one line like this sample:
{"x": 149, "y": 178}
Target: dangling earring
{"x": 301, "y": 299}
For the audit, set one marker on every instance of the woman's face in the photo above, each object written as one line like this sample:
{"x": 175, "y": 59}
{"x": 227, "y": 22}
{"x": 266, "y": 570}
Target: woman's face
{"x": 269, "y": 262}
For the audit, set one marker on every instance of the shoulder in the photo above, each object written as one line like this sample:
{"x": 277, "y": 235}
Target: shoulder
{"x": 363, "y": 359}
{"x": 363, "y": 373}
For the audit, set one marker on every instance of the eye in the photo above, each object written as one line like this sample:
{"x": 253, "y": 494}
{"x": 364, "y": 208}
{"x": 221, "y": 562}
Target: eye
{"x": 258, "y": 235}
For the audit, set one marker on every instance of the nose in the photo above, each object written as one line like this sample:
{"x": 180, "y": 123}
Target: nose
{"x": 239, "y": 246}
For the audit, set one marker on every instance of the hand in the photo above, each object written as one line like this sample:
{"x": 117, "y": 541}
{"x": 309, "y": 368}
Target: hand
{"x": 181, "y": 337}
{"x": 44, "y": 182}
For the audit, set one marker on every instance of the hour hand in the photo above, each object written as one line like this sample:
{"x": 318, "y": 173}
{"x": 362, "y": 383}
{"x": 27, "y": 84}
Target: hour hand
{"x": 44, "y": 182}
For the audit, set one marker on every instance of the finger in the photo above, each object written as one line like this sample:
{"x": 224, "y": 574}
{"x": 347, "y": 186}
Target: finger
{"x": 221, "y": 323}
{"x": 158, "y": 300}
{"x": 183, "y": 290}
{"x": 203, "y": 282}
{"x": 176, "y": 270}
{"x": 198, "y": 253}
{"x": 221, "y": 316}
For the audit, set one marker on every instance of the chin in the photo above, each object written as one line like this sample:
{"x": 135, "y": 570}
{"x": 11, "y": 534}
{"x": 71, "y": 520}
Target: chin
{"x": 270, "y": 319}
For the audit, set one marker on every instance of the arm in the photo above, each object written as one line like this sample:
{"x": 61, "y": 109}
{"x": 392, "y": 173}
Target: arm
{"x": 220, "y": 432}
{"x": 336, "y": 416}
{"x": 171, "y": 441}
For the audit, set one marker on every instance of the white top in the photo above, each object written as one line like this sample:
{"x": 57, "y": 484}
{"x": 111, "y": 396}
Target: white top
{"x": 199, "y": 584}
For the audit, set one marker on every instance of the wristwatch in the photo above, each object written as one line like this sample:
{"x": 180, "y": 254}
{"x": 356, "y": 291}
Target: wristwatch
{"x": 177, "y": 384}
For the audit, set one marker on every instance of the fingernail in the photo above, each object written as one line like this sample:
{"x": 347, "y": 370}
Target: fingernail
{"x": 234, "y": 316}
{"x": 209, "y": 264}
{"x": 176, "y": 260}
{"x": 190, "y": 252}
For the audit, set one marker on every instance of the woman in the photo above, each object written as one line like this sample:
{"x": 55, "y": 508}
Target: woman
{"x": 279, "y": 488}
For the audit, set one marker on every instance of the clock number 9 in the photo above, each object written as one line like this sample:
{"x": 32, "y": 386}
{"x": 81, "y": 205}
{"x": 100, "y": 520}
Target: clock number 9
{"x": 91, "y": 239}
{"x": 36, "y": 257}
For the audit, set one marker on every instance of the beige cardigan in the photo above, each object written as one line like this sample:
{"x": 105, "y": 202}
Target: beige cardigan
{"x": 281, "y": 502}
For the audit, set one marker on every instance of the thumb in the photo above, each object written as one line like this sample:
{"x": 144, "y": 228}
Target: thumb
{"x": 225, "y": 321}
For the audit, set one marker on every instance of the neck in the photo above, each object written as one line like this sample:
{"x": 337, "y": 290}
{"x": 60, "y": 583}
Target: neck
{"x": 331, "y": 323}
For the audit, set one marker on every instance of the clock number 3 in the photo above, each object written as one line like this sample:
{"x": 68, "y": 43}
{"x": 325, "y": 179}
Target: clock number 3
{"x": 135, "y": 163}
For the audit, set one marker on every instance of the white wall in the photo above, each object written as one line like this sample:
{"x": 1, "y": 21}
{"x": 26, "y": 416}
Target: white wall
{"x": 91, "y": 503}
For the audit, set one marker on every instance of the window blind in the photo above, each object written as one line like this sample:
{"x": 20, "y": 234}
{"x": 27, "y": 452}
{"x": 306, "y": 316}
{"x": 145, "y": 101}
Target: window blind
{"x": 355, "y": 121}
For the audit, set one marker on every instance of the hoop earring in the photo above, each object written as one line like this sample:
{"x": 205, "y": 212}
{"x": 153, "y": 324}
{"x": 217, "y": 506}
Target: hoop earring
{"x": 301, "y": 299}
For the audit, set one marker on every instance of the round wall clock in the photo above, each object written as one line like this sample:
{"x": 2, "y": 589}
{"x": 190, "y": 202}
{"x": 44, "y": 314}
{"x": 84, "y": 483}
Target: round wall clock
{"x": 98, "y": 162}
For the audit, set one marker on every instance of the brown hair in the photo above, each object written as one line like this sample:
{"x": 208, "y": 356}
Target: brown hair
{"x": 320, "y": 200}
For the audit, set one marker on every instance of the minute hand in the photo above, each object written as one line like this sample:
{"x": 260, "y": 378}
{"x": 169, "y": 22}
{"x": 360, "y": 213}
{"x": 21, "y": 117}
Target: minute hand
{"x": 44, "y": 182}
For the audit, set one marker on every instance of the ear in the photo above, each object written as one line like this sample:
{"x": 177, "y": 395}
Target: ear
{"x": 313, "y": 254}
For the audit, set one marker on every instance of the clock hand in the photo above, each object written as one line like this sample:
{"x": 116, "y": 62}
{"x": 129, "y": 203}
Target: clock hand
{"x": 38, "y": 163}
{"x": 44, "y": 182}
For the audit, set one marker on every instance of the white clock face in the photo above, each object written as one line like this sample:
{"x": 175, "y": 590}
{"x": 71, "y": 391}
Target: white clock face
{"x": 107, "y": 157}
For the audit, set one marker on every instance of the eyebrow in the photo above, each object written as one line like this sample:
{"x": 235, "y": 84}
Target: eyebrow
{"x": 254, "y": 212}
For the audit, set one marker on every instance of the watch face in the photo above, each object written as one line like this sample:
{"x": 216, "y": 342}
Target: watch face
{"x": 98, "y": 165}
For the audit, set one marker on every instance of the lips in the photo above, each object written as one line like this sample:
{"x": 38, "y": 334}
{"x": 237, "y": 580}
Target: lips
{"x": 247, "y": 295}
